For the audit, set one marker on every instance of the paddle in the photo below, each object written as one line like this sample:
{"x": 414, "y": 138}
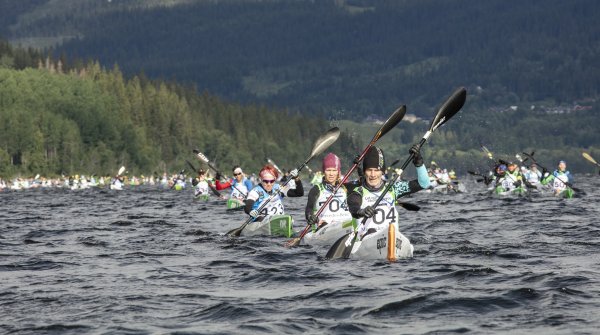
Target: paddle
{"x": 390, "y": 123}
{"x": 590, "y": 159}
{"x": 321, "y": 144}
{"x": 344, "y": 245}
{"x": 544, "y": 169}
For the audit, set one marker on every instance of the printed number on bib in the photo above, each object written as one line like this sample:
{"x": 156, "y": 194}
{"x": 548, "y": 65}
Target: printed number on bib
{"x": 274, "y": 210}
{"x": 381, "y": 217}
{"x": 334, "y": 205}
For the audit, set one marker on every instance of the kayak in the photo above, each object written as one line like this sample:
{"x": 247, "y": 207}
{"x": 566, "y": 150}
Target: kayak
{"x": 275, "y": 225}
{"x": 202, "y": 197}
{"x": 234, "y": 203}
{"x": 517, "y": 192}
{"x": 448, "y": 188}
{"x": 328, "y": 234}
{"x": 387, "y": 244}
{"x": 567, "y": 193}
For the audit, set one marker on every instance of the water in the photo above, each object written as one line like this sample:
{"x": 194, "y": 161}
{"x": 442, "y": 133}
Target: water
{"x": 149, "y": 261}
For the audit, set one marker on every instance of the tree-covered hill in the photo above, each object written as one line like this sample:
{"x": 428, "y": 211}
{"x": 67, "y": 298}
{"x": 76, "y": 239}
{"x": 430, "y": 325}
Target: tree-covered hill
{"x": 58, "y": 119}
{"x": 356, "y": 57}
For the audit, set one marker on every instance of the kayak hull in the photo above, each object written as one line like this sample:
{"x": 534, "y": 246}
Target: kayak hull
{"x": 385, "y": 244}
{"x": 328, "y": 234}
{"x": 276, "y": 225}
{"x": 234, "y": 203}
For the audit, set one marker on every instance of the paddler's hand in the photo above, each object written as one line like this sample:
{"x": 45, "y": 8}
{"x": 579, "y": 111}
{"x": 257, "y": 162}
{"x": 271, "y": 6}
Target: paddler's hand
{"x": 517, "y": 183}
{"x": 253, "y": 213}
{"x": 415, "y": 150}
{"x": 294, "y": 173}
{"x": 312, "y": 220}
{"x": 218, "y": 176}
{"x": 367, "y": 212}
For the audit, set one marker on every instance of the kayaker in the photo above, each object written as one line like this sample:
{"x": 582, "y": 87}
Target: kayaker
{"x": 268, "y": 185}
{"x": 561, "y": 178}
{"x": 513, "y": 174}
{"x": 533, "y": 175}
{"x": 361, "y": 199}
{"x": 202, "y": 185}
{"x": 240, "y": 185}
{"x": 337, "y": 209}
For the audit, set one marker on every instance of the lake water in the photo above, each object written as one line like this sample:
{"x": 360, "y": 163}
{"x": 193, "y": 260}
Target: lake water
{"x": 144, "y": 260}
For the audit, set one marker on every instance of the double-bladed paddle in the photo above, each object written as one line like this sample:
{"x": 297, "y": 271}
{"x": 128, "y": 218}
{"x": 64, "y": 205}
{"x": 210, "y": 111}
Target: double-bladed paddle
{"x": 344, "y": 245}
{"x": 390, "y": 123}
{"x": 321, "y": 144}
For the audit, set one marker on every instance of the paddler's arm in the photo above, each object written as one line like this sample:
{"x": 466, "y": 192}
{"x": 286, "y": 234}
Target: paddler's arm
{"x": 298, "y": 191}
{"x": 354, "y": 203}
{"x": 403, "y": 188}
{"x": 222, "y": 185}
{"x": 313, "y": 196}
{"x": 250, "y": 200}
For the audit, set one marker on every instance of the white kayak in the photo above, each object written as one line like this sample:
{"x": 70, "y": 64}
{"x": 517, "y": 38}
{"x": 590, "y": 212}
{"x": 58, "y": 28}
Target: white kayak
{"x": 328, "y": 234}
{"x": 275, "y": 225}
{"x": 387, "y": 244}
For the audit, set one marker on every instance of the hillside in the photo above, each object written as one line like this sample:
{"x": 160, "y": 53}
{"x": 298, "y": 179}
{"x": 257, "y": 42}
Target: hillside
{"x": 61, "y": 119}
{"x": 345, "y": 58}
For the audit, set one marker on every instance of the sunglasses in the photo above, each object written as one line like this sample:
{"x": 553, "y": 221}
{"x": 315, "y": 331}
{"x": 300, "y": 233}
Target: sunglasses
{"x": 268, "y": 181}
{"x": 237, "y": 174}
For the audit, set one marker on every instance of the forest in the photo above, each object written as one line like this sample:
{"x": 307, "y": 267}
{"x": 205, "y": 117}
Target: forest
{"x": 57, "y": 119}
{"x": 320, "y": 57}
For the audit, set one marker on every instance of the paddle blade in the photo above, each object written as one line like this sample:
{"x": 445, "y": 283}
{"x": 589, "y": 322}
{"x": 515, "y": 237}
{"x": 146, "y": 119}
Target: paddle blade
{"x": 293, "y": 242}
{"x": 391, "y": 122}
{"x": 338, "y": 249}
{"x": 121, "y": 171}
{"x": 589, "y": 158}
{"x": 452, "y": 105}
{"x": 235, "y": 232}
{"x": 201, "y": 156}
{"x": 325, "y": 140}
{"x": 275, "y": 166}
{"x": 409, "y": 206}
